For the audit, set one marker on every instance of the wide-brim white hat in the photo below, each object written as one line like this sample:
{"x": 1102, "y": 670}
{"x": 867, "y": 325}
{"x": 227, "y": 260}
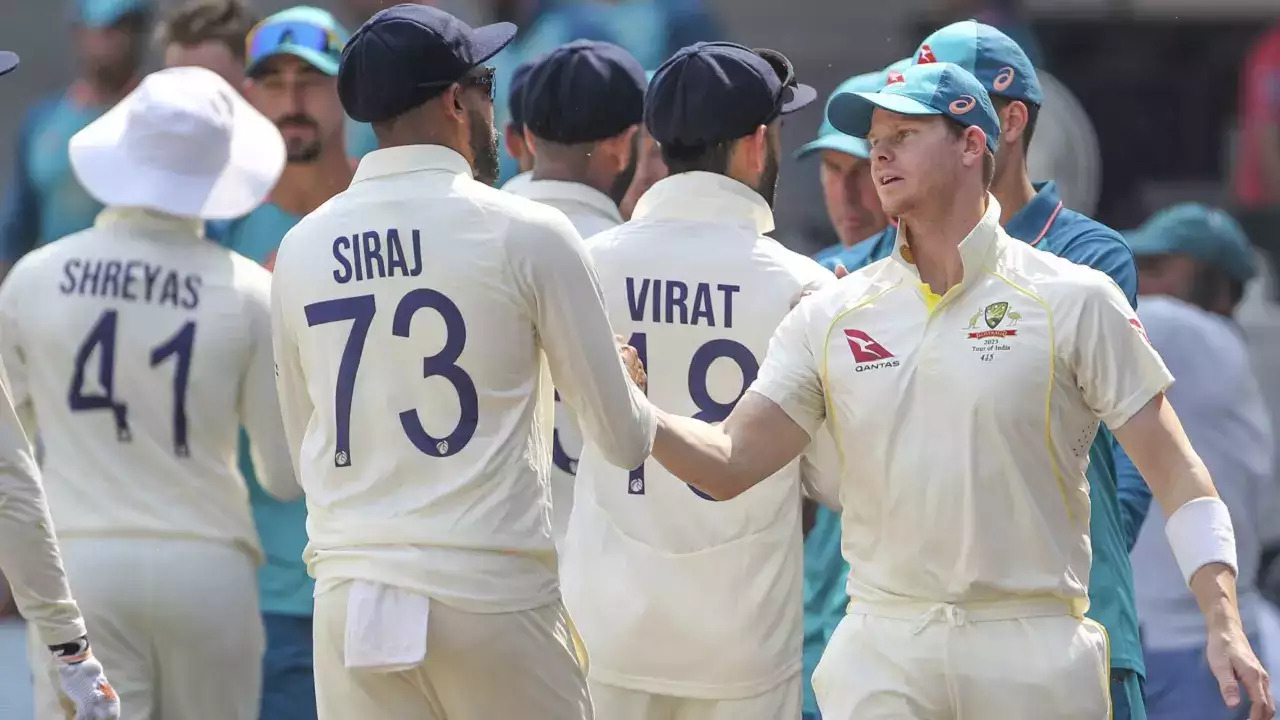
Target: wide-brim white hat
{"x": 184, "y": 142}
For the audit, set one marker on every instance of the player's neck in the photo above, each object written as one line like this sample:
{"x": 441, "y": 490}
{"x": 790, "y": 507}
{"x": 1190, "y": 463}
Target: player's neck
{"x": 1013, "y": 190}
{"x": 303, "y": 187}
{"x": 934, "y": 235}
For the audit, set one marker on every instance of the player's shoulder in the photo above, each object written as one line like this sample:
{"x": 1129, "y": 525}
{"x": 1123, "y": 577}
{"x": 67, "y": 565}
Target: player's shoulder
{"x": 521, "y": 212}
{"x": 853, "y": 290}
{"x": 51, "y": 258}
{"x": 1042, "y": 272}
{"x": 1074, "y": 234}
{"x": 806, "y": 271}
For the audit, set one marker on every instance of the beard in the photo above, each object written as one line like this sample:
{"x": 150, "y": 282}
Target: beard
{"x": 622, "y": 183}
{"x": 298, "y": 150}
{"x": 484, "y": 147}
{"x": 768, "y": 187}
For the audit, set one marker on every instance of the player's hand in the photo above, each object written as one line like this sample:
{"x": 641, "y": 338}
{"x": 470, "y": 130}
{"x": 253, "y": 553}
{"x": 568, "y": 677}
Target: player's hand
{"x": 82, "y": 681}
{"x": 841, "y": 270}
{"x": 1234, "y": 664}
{"x": 631, "y": 359}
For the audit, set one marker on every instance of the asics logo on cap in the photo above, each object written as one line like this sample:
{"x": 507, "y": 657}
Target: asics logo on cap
{"x": 926, "y": 55}
{"x": 962, "y": 104}
{"x": 1003, "y": 79}
{"x": 894, "y": 77}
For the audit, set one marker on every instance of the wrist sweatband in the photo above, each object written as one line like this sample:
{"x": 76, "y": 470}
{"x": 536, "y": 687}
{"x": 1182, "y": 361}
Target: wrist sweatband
{"x": 1200, "y": 533}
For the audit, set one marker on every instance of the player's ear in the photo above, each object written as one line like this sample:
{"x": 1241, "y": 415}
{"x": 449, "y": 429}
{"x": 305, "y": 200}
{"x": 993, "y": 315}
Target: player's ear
{"x": 975, "y": 146}
{"x": 530, "y": 144}
{"x": 454, "y": 102}
{"x": 1013, "y": 121}
{"x": 759, "y": 144}
{"x": 514, "y": 140}
{"x": 624, "y": 146}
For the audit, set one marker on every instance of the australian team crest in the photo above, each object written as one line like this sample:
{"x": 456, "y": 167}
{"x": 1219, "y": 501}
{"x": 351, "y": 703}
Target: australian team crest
{"x": 994, "y": 313}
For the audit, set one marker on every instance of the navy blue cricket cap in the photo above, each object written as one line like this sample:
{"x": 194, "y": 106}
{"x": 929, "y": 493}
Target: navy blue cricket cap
{"x": 712, "y": 92}
{"x": 407, "y": 54}
{"x": 8, "y": 61}
{"x": 584, "y": 91}
{"x": 515, "y": 94}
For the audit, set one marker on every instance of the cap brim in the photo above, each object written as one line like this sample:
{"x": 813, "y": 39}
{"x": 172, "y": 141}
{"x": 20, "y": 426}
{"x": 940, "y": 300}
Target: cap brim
{"x": 850, "y": 113}
{"x": 8, "y": 61}
{"x": 489, "y": 40}
{"x": 838, "y": 142}
{"x": 326, "y": 64}
{"x": 801, "y": 96}
{"x": 108, "y": 171}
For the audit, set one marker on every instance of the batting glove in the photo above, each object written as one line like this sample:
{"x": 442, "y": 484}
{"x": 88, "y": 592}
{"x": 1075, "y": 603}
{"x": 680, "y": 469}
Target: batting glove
{"x": 82, "y": 681}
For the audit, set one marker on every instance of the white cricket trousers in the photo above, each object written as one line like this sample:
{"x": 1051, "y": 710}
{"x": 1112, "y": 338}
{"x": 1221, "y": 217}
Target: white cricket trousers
{"x": 1012, "y": 661}
{"x": 174, "y": 622}
{"x": 615, "y": 703}
{"x": 478, "y": 666}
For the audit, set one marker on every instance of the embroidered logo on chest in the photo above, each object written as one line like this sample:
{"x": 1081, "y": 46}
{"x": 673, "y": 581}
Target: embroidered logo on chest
{"x": 1000, "y": 320}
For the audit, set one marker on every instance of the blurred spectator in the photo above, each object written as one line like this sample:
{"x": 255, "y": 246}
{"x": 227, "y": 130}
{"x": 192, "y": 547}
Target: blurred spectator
{"x": 1257, "y": 166}
{"x": 293, "y": 67}
{"x": 208, "y": 34}
{"x": 1193, "y": 263}
{"x": 513, "y": 133}
{"x": 44, "y": 201}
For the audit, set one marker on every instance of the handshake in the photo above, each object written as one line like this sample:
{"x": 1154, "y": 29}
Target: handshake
{"x": 631, "y": 359}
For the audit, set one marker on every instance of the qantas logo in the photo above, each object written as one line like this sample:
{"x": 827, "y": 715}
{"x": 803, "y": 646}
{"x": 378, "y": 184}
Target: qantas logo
{"x": 925, "y": 56}
{"x": 867, "y": 353}
{"x": 1141, "y": 330}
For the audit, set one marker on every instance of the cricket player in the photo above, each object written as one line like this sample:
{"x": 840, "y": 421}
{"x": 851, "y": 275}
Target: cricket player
{"x": 210, "y": 34}
{"x": 293, "y": 59}
{"x": 582, "y": 105}
{"x": 845, "y": 174}
{"x": 1035, "y": 214}
{"x": 964, "y": 377}
{"x": 139, "y": 348}
{"x": 513, "y": 134}
{"x": 411, "y": 315}
{"x": 692, "y": 608}
{"x": 29, "y": 556}
{"x": 1194, "y": 262}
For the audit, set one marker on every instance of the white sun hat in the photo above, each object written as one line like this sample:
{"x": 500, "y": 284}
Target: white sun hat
{"x": 184, "y": 142}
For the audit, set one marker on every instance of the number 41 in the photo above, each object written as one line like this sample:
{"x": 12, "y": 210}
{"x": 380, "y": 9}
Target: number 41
{"x": 103, "y": 337}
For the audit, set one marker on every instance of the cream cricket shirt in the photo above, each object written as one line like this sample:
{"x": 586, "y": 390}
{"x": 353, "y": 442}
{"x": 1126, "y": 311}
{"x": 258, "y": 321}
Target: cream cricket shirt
{"x": 141, "y": 349}
{"x": 964, "y": 426}
{"x": 676, "y": 594}
{"x": 411, "y": 316}
{"x": 591, "y": 212}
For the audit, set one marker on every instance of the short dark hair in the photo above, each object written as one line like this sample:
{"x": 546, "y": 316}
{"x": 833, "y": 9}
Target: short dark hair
{"x": 200, "y": 21}
{"x": 693, "y": 158}
{"x": 1033, "y": 114}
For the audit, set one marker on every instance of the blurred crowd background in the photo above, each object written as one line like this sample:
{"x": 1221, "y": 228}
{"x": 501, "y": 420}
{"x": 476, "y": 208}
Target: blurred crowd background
{"x": 1148, "y": 103}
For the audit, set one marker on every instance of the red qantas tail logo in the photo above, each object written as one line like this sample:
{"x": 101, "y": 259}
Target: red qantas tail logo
{"x": 864, "y": 348}
{"x": 925, "y": 56}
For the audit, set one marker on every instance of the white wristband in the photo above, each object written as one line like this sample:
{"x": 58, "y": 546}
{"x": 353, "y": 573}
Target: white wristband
{"x": 1200, "y": 533}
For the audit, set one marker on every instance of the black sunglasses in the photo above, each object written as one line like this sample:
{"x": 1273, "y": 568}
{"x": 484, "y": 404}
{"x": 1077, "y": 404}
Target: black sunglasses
{"x": 484, "y": 79}
{"x": 785, "y": 71}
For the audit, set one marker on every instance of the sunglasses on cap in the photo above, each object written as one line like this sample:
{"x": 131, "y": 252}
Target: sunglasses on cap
{"x": 785, "y": 71}
{"x": 483, "y": 78}
{"x": 267, "y": 36}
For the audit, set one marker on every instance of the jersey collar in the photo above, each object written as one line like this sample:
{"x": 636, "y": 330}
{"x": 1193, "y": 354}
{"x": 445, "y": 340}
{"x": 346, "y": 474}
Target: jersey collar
{"x": 975, "y": 250}
{"x": 705, "y": 197}
{"x": 411, "y": 158}
{"x": 553, "y": 192}
{"x": 148, "y": 222}
{"x": 1033, "y": 221}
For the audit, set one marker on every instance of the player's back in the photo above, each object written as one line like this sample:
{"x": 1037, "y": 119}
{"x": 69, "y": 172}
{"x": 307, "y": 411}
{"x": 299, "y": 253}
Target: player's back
{"x": 698, "y": 290}
{"x": 417, "y": 302}
{"x": 133, "y": 342}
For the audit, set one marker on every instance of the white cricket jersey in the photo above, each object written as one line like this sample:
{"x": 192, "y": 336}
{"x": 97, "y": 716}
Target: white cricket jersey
{"x": 591, "y": 212}
{"x": 1226, "y": 419}
{"x": 964, "y": 427}
{"x": 674, "y": 593}
{"x": 142, "y": 348}
{"x": 29, "y": 555}
{"x": 411, "y": 316}
{"x": 515, "y": 183}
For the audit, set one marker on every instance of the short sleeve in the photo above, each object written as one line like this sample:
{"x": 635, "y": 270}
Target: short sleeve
{"x": 1114, "y": 363}
{"x": 789, "y": 376}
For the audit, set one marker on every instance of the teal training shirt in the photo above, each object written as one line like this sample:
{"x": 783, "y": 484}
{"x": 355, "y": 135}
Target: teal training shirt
{"x": 284, "y": 587}
{"x": 1119, "y": 497}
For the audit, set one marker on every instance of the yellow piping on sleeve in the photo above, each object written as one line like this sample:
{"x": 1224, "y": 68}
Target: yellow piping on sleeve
{"x": 1048, "y": 394}
{"x": 826, "y": 395}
